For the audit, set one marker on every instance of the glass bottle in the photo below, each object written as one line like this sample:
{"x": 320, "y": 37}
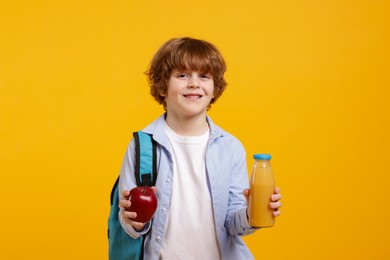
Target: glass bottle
{"x": 262, "y": 185}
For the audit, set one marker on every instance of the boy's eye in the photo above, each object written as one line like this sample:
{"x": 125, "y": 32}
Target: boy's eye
{"x": 182, "y": 75}
{"x": 206, "y": 76}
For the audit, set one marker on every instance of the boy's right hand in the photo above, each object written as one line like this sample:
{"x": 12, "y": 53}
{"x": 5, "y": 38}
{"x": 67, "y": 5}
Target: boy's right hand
{"x": 128, "y": 216}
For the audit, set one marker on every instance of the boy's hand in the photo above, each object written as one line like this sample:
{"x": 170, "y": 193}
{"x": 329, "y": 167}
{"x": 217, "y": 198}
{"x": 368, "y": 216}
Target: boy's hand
{"x": 276, "y": 204}
{"x": 128, "y": 216}
{"x": 275, "y": 200}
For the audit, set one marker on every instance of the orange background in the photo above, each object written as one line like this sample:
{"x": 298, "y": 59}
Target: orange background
{"x": 308, "y": 83}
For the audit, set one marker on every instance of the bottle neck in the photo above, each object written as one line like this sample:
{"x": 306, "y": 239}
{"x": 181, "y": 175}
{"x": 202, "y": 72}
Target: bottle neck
{"x": 263, "y": 163}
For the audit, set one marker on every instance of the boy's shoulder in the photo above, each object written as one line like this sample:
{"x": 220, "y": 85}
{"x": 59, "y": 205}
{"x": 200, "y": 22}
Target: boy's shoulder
{"x": 217, "y": 132}
{"x": 155, "y": 125}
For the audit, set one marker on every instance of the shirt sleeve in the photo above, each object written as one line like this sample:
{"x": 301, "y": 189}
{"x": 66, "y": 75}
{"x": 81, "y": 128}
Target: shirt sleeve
{"x": 131, "y": 231}
{"x": 237, "y": 222}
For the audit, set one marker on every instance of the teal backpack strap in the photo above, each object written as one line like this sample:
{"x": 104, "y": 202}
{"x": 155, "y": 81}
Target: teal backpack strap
{"x": 145, "y": 161}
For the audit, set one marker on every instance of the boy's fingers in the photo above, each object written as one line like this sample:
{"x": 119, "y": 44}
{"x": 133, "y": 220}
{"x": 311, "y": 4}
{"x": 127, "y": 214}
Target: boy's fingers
{"x": 276, "y": 197}
{"x": 124, "y": 203}
{"x": 125, "y": 193}
{"x": 129, "y": 214}
{"x": 138, "y": 225}
{"x": 276, "y": 213}
{"x": 275, "y": 205}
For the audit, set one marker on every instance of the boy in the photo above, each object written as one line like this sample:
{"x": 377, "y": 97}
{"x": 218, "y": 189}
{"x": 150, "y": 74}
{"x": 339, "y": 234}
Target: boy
{"x": 202, "y": 183}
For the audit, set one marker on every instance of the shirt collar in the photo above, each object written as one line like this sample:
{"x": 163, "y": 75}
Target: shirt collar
{"x": 156, "y": 129}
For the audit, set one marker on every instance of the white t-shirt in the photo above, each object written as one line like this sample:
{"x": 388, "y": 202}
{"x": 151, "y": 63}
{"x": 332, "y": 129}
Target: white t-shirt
{"x": 190, "y": 231}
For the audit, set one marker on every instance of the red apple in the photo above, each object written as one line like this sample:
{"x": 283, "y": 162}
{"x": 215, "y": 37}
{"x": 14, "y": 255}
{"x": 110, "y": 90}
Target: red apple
{"x": 143, "y": 202}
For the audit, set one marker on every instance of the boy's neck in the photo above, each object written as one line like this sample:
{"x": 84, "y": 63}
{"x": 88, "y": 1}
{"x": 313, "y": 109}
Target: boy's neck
{"x": 187, "y": 126}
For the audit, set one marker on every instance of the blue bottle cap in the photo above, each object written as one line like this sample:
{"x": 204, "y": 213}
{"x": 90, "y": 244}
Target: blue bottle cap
{"x": 262, "y": 156}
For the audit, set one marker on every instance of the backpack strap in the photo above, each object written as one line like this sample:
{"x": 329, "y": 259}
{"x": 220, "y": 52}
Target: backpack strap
{"x": 145, "y": 161}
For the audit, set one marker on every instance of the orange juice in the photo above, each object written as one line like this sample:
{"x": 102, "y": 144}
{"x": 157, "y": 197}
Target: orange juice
{"x": 262, "y": 187}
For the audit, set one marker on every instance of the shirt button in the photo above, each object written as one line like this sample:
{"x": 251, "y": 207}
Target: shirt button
{"x": 164, "y": 209}
{"x": 158, "y": 238}
{"x": 169, "y": 180}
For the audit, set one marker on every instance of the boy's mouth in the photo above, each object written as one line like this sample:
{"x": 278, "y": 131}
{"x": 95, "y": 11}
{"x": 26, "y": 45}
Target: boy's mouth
{"x": 193, "y": 96}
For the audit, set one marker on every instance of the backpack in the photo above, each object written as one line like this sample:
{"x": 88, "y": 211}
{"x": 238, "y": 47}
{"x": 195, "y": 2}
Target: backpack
{"x": 121, "y": 246}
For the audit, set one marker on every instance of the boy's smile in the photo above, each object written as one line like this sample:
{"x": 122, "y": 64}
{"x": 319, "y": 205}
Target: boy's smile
{"x": 192, "y": 96}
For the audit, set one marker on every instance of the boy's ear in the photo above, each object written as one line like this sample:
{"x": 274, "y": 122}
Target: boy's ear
{"x": 163, "y": 94}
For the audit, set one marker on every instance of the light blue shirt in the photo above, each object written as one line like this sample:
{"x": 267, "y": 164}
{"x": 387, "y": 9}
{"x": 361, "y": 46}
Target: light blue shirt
{"x": 227, "y": 178}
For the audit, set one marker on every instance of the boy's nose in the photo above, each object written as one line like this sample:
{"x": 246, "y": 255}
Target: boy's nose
{"x": 193, "y": 82}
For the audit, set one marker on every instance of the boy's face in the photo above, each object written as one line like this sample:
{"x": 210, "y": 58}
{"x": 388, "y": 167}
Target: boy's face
{"x": 189, "y": 92}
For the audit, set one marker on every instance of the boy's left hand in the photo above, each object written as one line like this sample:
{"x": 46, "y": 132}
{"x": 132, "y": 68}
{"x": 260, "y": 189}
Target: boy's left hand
{"x": 275, "y": 200}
